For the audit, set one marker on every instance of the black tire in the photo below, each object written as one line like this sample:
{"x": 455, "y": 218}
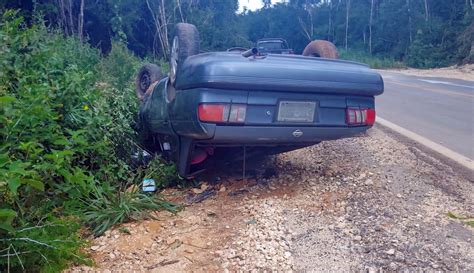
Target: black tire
{"x": 321, "y": 48}
{"x": 147, "y": 75}
{"x": 185, "y": 43}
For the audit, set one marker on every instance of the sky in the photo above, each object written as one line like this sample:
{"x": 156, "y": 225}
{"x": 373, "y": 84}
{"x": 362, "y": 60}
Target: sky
{"x": 253, "y": 4}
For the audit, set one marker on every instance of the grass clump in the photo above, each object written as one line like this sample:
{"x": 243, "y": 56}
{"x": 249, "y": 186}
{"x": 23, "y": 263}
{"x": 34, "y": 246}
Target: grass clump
{"x": 467, "y": 220}
{"x": 66, "y": 117}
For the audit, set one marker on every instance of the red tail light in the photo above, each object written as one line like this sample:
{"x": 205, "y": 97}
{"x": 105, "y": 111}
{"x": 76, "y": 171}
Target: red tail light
{"x": 218, "y": 113}
{"x": 370, "y": 117}
{"x": 213, "y": 112}
{"x": 356, "y": 116}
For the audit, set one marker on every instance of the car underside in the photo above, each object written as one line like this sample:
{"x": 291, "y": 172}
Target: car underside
{"x": 247, "y": 105}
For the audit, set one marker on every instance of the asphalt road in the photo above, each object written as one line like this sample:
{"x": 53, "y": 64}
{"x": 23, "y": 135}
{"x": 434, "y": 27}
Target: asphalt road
{"x": 439, "y": 109}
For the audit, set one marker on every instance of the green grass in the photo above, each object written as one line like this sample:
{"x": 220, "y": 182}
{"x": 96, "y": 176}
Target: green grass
{"x": 467, "y": 220}
{"x": 104, "y": 212}
{"x": 376, "y": 62}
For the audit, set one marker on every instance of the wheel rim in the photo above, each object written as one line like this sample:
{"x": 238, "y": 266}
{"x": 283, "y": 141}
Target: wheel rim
{"x": 174, "y": 59}
{"x": 145, "y": 81}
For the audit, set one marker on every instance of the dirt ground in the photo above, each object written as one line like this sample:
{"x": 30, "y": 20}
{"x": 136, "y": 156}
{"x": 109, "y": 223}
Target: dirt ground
{"x": 367, "y": 203}
{"x": 464, "y": 72}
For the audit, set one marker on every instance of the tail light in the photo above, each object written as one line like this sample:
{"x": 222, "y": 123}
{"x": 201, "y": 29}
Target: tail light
{"x": 356, "y": 116}
{"x": 218, "y": 113}
{"x": 237, "y": 113}
{"x": 214, "y": 112}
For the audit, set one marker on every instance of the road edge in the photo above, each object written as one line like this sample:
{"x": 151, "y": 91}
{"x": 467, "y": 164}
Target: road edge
{"x": 450, "y": 154}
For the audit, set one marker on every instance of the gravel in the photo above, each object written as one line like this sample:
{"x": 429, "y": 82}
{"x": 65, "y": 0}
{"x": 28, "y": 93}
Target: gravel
{"x": 264, "y": 240}
{"x": 369, "y": 203}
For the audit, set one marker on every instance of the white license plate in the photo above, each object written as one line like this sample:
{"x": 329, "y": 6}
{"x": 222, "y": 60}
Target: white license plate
{"x": 296, "y": 111}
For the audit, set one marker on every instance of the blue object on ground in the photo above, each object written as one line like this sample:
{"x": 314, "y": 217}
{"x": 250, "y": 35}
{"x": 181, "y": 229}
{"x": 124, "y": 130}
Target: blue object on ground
{"x": 148, "y": 185}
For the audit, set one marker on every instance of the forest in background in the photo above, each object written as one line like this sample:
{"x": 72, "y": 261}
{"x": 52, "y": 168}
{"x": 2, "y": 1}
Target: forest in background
{"x": 419, "y": 33}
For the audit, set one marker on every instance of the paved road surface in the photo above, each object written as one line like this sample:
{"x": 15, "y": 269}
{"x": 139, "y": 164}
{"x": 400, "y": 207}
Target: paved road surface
{"x": 439, "y": 109}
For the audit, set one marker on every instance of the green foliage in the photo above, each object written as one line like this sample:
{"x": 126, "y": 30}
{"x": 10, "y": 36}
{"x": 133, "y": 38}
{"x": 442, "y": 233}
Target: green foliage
{"x": 47, "y": 246}
{"x": 281, "y": 21}
{"x": 218, "y": 24}
{"x": 440, "y": 35}
{"x": 66, "y": 116}
{"x": 467, "y": 220}
{"x": 375, "y": 62}
{"x": 163, "y": 173}
{"x": 444, "y": 40}
{"x": 107, "y": 209}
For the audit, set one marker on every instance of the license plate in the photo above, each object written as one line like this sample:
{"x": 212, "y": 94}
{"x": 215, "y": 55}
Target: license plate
{"x": 296, "y": 111}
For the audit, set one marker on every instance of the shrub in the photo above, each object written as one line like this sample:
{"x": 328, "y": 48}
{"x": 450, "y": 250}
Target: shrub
{"x": 65, "y": 115}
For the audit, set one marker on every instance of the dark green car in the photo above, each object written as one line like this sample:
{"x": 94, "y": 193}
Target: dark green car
{"x": 267, "y": 104}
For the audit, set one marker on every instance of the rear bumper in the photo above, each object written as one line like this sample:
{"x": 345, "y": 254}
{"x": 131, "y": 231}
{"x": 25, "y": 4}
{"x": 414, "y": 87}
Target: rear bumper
{"x": 262, "y": 135}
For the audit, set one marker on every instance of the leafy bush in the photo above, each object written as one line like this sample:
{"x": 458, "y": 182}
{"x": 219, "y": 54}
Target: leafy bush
{"x": 53, "y": 242}
{"x": 66, "y": 114}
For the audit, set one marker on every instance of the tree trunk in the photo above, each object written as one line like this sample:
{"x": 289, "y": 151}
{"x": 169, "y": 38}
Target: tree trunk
{"x": 66, "y": 21}
{"x": 308, "y": 30}
{"x": 305, "y": 30}
{"x": 409, "y": 22}
{"x": 178, "y": 3}
{"x": 157, "y": 28}
{"x": 427, "y": 13}
{"x": 71, "y": 21}
{"x": 161, "y": 28}
{"x": 63, "y": 20}
{"x": 330, "y": 20}
{"x": 80, "y": 27}
{"x": 370, "y": 25}
{"x": 164, "y": 28}
{"x": 348, "y": 6}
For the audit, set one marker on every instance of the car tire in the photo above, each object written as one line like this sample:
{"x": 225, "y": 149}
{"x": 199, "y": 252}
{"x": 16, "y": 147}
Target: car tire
{"x": 185, "y": 44}
{"x": 321, "y": 48}
{"x": 146, "y": 77}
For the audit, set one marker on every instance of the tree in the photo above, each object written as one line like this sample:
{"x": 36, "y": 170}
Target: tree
{"x": 409, "y": 21}
{"x": 412, "y": 31}
{"x": 427, "y": 13}
{"x": 267, "y": 4}
{"x": 161, "y": 22}
{"x": 80, "y": 28}
{"x": 348, "y": 6}
{"x": 65, "y": 7}
{"x": 370, "y": 24}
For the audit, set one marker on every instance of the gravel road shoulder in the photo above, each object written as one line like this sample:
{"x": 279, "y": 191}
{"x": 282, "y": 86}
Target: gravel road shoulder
{"x": 365, "y": 203}
{"x": 464, "y": 72}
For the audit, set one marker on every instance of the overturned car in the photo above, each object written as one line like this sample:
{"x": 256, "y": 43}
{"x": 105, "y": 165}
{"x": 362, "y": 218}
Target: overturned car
{"x": 250, "y": 102}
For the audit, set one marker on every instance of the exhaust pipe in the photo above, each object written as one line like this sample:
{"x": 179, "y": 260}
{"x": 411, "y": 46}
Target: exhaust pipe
{"x": 251, "y": 52}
